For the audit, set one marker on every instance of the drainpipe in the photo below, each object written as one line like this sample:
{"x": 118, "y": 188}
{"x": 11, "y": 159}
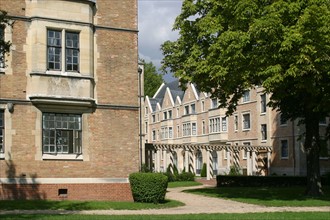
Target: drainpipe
{"x": 140, "y": 117}
{"x": 293, "y": 148}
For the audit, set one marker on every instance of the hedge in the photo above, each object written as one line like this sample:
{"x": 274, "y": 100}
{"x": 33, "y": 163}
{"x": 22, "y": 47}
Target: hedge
{"x": 257, "y": 181}
{"x": 148, "y": 187}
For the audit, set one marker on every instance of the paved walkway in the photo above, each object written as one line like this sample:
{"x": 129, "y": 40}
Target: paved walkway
{"x": 194, "y": 204}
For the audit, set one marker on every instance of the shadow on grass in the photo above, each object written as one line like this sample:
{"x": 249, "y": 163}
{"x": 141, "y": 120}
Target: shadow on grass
{"x": 85, "y": 205}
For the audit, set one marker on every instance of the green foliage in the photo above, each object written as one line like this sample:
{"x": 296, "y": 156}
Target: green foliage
{"x": 226, "y": 47}
{"x": 203, "y": 172}
{"x": 148, "y": 187}
{"x": 186, "y": 176}
{"x": 4, "y": 45}
{"x": 176, "y": 176}
{"x": 234, "y": 171}
{"x": 145, "y": 168}
{"x": 152, "y": 79}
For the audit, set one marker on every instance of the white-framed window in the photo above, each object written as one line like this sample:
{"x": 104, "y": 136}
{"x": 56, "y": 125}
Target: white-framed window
{"x": 263, "y": 103}
{"x": 264, "y": 132}
{"x": 154, "y": 135}
{"x": 284, "y": 149}
{"x": 2, "y": 132}
{"x": 164, "y": 115}
{"x": 193, "y": 108}
{"x": 283, "y": 121}
{"x": 246, "y": 96}
{"x": 214, "y": 124}
{"x": 214, "y": 103}
{"x": 246, "y": 121}
{"x": 203, "y": 127}
{"x": 61, "y": 133}
{"x": 186, "y": 110}
{"x": 166, "y": 133}
{"x": 224, "y": 124}
{"x": 193, "y": 128}
{"x": 236, "y": 122}
{"x": 146, "y": 127}
{"x": 189, "y": 129}
{"x": 170, "y": 114}
{"x": 170, "y": 132}
{"x": 186, "y": 129}
{"x": 153, "y": 118}
{"x": 55, "y": 41}
{"x": 203, "y": 105}
{"x": 245, "y": 152}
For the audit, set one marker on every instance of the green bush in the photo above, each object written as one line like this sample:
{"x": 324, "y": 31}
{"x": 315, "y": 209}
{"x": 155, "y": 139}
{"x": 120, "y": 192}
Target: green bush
{"x": 145, "y": 168}
{"x": 148, "y": 187}
{"x": 235, "y": 171}
{"x": 186, "y": 176}
{"x": 203, "y": 172}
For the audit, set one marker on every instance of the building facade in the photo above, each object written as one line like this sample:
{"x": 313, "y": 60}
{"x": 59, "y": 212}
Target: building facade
{"x": 187, "y": 129}
{"x": 69, "y": 100}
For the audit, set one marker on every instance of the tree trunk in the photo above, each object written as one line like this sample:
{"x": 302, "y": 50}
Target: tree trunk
{"x": 312, "y": 147}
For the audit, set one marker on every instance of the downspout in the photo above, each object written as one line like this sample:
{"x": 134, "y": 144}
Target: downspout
{"x": 140, "y": 117}
{"x": 294, "y": 148}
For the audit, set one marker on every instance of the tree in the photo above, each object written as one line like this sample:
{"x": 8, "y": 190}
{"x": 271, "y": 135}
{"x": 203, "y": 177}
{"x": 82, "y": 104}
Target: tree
{"x": 152, "y": 80}
{"x": 228, "y": 46}
{"x": 4, "y": 45}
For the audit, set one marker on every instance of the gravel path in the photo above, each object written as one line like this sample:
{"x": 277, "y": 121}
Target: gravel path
{"x": 194, "y": 204}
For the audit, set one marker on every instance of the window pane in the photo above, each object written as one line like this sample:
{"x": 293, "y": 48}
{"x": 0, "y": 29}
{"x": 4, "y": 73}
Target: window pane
{"x": 61, "y": 138}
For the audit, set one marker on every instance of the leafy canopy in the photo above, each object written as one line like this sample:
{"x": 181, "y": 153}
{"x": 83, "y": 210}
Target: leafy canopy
{"x": 228, "y": 46}
{"x": 152, "y": 80}
{"x": 4, "y": 45}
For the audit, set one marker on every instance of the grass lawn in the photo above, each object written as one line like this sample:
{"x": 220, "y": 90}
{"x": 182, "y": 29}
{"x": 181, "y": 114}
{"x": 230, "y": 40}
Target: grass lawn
{"x": 82, "y": 205}
{"x": 183, "y": 184}
{"x": 245, "y": 216}
{"x": 267, "y": 196}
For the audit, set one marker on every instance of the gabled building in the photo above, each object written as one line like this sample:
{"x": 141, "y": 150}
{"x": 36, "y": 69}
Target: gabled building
{"x": 185, "y": 129}
{"x": 69, "y": 100}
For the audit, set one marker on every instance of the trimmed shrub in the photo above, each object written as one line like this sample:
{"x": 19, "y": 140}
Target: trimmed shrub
{"x": 203, "y": 172}
{"x": 258, "y": 181}
{"x": 186, "y": 176}
{"x": 148, "y": 187}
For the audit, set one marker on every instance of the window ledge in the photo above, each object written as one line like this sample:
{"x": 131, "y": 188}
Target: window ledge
{"x": 2, "y": 156}
{"x": 62, "y": 157}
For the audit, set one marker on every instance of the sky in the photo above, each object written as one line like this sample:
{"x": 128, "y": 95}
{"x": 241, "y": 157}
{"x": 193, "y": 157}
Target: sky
{"x": 156, "y": 19}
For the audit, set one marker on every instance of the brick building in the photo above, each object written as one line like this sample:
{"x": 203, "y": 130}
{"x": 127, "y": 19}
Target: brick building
{"x": 69, "y": 100}
{"x": 187, "y": 129}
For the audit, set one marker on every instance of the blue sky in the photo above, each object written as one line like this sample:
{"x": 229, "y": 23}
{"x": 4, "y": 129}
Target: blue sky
{"x": 156, "y": 19}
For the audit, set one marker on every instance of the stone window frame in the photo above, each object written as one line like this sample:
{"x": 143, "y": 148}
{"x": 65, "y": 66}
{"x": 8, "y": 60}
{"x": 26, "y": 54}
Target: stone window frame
{"x": 60, "y": 128}
{"x": 65, "y": 49}
{"x": 244, "y": 128}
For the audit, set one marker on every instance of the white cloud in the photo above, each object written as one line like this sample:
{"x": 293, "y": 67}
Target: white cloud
{"x": 156, "y": 19}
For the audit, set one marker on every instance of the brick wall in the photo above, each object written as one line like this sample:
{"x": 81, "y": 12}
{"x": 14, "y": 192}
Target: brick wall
{"x": 82, "y": 192}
